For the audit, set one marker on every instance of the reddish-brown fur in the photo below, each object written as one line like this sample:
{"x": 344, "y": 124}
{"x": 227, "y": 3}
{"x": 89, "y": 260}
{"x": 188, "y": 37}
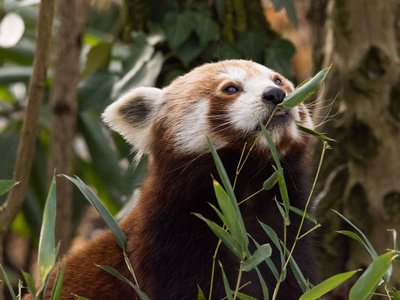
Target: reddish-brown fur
{"x": 170, "y": 249}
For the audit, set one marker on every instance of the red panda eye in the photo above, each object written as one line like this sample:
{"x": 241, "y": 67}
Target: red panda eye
{"x": 277, "y": 81}
{"x": 231, "y": 89}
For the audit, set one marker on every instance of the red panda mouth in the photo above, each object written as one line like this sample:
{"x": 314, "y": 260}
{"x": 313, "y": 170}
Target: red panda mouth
{"x": 279, "y": 119}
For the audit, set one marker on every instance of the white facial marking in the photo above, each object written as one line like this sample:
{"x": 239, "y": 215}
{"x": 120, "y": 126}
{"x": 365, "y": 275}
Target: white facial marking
{"x": 234, "y": 73}
{"x": 192, "y": 129}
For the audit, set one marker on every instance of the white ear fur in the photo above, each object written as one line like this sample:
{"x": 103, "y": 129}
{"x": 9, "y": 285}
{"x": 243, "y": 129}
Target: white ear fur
{"x": 132, "y": 116}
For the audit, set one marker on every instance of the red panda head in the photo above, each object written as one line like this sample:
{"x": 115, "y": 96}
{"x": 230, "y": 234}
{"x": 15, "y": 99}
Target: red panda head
{"x": 219, "y": 100}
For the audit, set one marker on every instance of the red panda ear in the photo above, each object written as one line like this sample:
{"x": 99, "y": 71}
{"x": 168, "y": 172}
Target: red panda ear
{"x": 132, "y": 116}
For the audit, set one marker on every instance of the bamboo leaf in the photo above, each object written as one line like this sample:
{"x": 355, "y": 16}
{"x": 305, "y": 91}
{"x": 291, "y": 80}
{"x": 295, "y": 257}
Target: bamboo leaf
{"x": 224, "y": 236}
{"x": 370, "y": 279}
{"x": 262, "y": 253}
{"x": 6, "y": 185}
{"x": 357, "y": 238}
{"x": 115, "y": 273}
{"x": 271, "y": 181}
{"x": 8, "y": 283}
{"x": 220, "y": 215}
{"x": 226, "y": 283}
{"x": 30, "y": 282}
{"x": 327, "y": 286}
{"x": 314, "y": 133}
{"x": 105, "y": 214}
{"x": 47, "y": 251}
{"x": 302, "y": 93}
{"x": 300, "y": 212}
{"x": 244, "y": 296}
{"x": 200, "y": 294}
{"x": 263, "y": 284}
{"x": 298, "y": 274}
{"x": 56, "y": 293}
{"x": 230, "y": 213}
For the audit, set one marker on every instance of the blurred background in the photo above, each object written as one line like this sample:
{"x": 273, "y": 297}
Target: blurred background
{"x": 101, "y": 48}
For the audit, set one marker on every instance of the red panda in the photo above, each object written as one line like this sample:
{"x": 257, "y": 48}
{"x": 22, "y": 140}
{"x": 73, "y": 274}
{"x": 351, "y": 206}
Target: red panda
{"x": 170, "y": 249}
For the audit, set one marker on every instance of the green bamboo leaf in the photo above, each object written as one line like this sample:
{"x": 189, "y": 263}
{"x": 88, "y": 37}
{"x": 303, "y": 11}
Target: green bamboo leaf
{"x": 6, "y": 185}
{"x": 8, "y": 283}
{"x": 226, "y": 283}
{"x": 395, "y": 294}
{"x": 231, "y": 217}
{"x": 271, "y": 181}
{"x": 30, "y": 282}
{"x": 357, "y": 238}
{"x": 372, "y": 251}
{"x": 47, "y": 251}
{"x": 302, "y": 93}
{"x": 370, "y": 279}
{"x": 97, "y": 58}
{"x": 262, "y": 282}
{"x": 279, "y": 171}
{"x": 261, "y": 254}
{"x": 105, "y": 214}
{"x": 314, "y": 133}
{"x": 114, "y": 272}
{"x": 220, "y": 215}
{"x": 224, "y": 236}
{"x": 56, "y": 293}
{"x": 298, "y": 274}
{"x": 200, "y": 294}
{"x": 244, "y": 296}
{"x": 270, "y": 264}
{"x": 327, "y": 285}
{"x": 300, "y": 212}
{"x": 395, "y": 247}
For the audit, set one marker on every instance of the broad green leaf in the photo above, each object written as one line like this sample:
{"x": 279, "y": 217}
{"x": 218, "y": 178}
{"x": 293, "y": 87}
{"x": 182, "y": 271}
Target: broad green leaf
{"x": 278, "y": 56}
{"x": 139, "y": 53}
{"x": 226, "y": 283}
{"x": 30, "y": 282}
{"x": 47, "y": 251}
{"x": 314, "y": 133}
{"x": 15, "y": 74}
{"x": 178, "y": 28}
{"x": 206, "y": 29}
{"x": 97, "y": 58}
{"x": 94, "y": 91}
{"x": 302, "y": 93}
{"x": 8, "y": 283}
{"x": 114, "y": 272}
{"x": 261, "y": 254}
{"x": 327, "y": 286}
{"x": 224, "y": 236}
{"x": 6, "y": 185}
{"x": 200, "y": 294}
{"x": 56, "y": 293}
{"x": 370, "y": 279}
{"x": 189, "y": 51}
{"x": 271, "y": 181}
{"x": 105, "y": 214}
{"x": 145, "y": 76}
{"x": 231, "y": 217}
{"x": 21, "y": 54}
{"x": 252, "y": 44}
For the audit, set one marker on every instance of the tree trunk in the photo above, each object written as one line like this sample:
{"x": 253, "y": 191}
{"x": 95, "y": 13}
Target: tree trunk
{"x": 26, "y": 146}
{"x": 361, "y": 176}
{"x": 64, "y": 107}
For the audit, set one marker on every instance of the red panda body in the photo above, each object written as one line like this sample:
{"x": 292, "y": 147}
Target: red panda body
{"x": 172, "y": 250}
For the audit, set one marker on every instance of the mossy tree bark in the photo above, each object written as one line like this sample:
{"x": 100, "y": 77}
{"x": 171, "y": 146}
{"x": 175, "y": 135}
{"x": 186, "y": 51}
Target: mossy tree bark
{"x": 361, "y": 176}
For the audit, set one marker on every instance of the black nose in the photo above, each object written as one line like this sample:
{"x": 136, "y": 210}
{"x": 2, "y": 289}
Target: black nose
{"x": 274, "y": 95}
